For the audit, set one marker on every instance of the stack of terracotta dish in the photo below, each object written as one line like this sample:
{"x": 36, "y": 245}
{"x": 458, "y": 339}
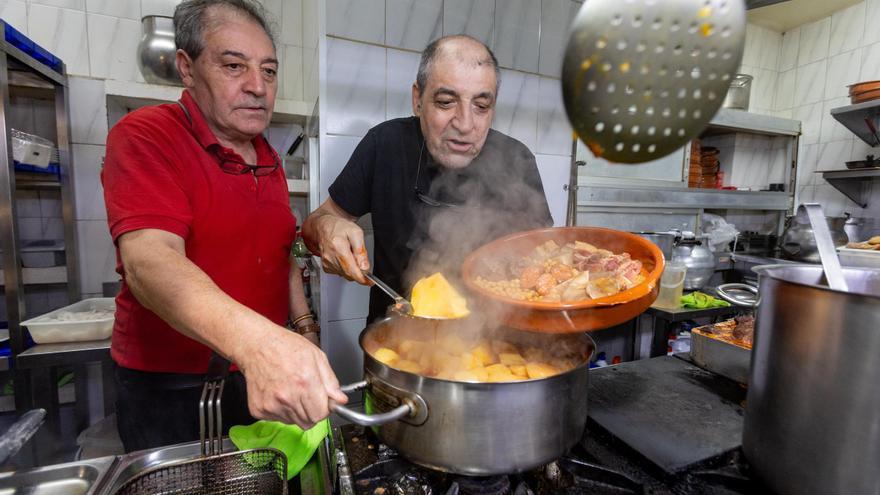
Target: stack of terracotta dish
{"x": 864, "y": 91}
{"x": 704, "y": 168}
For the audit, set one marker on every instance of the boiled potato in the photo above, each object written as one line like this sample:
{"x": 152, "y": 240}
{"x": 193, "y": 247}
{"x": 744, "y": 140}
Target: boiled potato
{"x": 511, "y": 358}
{"x": 466, "y": 376}
{"x": 434, "y": 297}
{"x": 408, "y": 366}
{"x": 386, "y": 356}
{"x": 540, "y": 370}
{"x": 481, "y": 374}
{"x": 483, "y": 354}
{"x": 500, "y": 373}
{"x": 519, "y": 370}
{"x": 499, "y": 346}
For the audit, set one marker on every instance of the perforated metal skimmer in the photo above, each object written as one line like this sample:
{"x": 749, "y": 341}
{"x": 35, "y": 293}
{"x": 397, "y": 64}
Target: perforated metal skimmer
{"x": 642, "y": 77}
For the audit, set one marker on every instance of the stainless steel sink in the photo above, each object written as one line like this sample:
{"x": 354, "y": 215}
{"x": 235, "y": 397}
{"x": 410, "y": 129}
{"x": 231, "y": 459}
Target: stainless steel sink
{"x": 73, "y": 478}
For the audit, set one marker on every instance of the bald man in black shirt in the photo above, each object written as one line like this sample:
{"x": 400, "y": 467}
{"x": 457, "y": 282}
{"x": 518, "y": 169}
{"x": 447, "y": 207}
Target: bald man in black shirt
{"x": 438, "y": 185}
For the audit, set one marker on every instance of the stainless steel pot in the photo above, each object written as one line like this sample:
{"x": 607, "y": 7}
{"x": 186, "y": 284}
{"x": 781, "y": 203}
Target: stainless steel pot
{"x": 157, "y": 51}
{"x": 477, "y": 429}
{"x": 738, "y": 93}
{"x": 799, "y": 244}
{"x": 700, "y": 262}
{"x": 812, "y": 422}
{"x": 664, "y": 240}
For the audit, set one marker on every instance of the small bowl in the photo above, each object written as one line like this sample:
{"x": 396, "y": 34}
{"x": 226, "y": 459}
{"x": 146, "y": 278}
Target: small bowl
{"x": 572, "y": 317}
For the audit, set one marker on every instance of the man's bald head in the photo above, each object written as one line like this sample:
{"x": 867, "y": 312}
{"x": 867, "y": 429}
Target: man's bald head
{"x": 461, "y": 47}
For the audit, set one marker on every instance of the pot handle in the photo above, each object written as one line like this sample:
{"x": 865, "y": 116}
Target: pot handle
{"x": 362, "y": 419}
{"x": 722, "y": 289}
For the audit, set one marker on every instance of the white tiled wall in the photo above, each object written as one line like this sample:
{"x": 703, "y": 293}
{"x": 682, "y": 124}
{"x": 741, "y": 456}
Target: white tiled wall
{"x": 373, "y": 50}
{"x": 817, "y": 61}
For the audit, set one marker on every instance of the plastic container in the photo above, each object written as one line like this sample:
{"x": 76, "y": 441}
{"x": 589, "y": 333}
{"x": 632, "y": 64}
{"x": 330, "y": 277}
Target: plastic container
{"x": 31, "y": 150}
{"x": 671, "y": 285}
{"x": 62, "y": 325}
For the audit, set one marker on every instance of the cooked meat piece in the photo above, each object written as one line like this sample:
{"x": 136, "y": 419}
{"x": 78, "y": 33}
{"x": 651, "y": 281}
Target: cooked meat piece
{"x": 529, "y": 277}
{"x": 545, "y": 284}
{"x": 561, "y": 272}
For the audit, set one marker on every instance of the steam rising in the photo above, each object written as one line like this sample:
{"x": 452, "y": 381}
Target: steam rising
{"x": 492, "y": 204}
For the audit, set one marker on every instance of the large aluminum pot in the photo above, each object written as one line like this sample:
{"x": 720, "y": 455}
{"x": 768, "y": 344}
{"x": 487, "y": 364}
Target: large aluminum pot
{"x": 700, "y": 262}
{"x": 477, "y": 429}
{"x": 812, "y": 422}
{"x": 799, "y": 244}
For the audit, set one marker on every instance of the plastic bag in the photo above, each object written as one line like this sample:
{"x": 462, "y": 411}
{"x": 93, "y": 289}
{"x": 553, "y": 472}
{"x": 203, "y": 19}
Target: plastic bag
{"x": 718, "y": 232}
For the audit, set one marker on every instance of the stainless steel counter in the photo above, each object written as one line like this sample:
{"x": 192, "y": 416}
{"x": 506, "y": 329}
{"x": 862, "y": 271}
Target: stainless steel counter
{"x": 103, "y": 475}
{"x": 45, "y": 355}
{"x": 72, "y": 478}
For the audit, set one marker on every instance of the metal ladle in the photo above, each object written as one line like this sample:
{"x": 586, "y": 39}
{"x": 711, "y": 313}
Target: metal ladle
{"x": 641, "y": 78}
{"x": 400, "y": 303}
{"x": 825, "y": 245}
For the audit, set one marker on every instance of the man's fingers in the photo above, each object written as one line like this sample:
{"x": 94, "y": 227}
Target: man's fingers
{"x": 330, "y": 382}
{"x": 356, "y": 239}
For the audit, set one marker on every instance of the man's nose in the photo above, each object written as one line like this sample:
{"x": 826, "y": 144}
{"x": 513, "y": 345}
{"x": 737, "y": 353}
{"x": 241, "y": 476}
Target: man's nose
{"x": 255, "y": 83}
{"x": 464, "y": 119}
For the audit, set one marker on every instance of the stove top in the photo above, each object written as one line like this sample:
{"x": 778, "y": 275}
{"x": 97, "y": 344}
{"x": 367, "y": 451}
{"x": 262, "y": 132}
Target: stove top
{"x": 599, "y": 465}
{"x": 357, "y": 463}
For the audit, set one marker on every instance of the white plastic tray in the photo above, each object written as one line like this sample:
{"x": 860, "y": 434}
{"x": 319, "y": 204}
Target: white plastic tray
{"x": 47, "y": 329}
{"x": 863, "y": 258}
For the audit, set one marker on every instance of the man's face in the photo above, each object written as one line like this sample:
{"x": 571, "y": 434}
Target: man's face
{"x": 456, "y": 106}
{"x": 234, "y": 80}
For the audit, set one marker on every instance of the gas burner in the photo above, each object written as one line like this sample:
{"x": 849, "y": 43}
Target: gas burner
{"x": 472, "y": 485}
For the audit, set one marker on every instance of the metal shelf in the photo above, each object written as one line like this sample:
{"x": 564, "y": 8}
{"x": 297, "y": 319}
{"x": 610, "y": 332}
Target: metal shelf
{"x": 67, "y": 353}
{"x": 38, "y": 276}
{"x": 855, "y": 184}
{"x": 856, "y": 118}
{"x": 45, "y": 78}
{"x": 678, "y": 197}
{"x": 728, "y": 120}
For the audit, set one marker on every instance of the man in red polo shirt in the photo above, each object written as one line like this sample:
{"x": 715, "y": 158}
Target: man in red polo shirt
{"x": 198, "y": 208}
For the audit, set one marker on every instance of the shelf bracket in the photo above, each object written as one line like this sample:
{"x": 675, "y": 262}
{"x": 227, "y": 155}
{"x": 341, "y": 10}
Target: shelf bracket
{"x": 856, "y": 190}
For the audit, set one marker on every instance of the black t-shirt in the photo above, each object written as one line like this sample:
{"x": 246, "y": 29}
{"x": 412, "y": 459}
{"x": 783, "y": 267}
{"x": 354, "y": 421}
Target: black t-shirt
{"x": 499, "y": 193}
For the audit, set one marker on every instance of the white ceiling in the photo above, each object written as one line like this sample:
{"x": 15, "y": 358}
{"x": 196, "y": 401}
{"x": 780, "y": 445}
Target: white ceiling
{"x": 784, "y": 16}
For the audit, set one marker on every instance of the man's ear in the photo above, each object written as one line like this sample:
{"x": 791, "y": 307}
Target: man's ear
{"x": 184, "y": 67}
{"x": 416, "y": 100}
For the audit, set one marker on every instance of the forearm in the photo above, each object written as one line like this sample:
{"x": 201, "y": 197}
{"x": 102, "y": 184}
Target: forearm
{"x": 298, "y": 304}
{"x": 179, "y": 292}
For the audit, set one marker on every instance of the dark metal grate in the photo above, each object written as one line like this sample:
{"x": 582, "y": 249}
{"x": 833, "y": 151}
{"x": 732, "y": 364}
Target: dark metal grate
{"x": 252, "y": 472}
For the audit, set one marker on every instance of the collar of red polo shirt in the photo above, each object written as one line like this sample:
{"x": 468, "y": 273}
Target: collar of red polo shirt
{"x": 206, "y": 138}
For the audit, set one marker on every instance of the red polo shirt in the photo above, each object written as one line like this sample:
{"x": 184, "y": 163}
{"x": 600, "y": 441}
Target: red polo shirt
{"x": 161, "y": 172}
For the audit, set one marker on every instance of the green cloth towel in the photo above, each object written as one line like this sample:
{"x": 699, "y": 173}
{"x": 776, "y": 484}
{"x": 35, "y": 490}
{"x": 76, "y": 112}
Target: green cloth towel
{"x": 699, "y": 300}
{"x": 297, "y": 445}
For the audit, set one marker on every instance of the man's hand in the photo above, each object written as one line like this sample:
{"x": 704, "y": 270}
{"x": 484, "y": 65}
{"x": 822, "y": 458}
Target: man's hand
{"x": 332, "y": 232}
{"x": 289, "y": 379}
